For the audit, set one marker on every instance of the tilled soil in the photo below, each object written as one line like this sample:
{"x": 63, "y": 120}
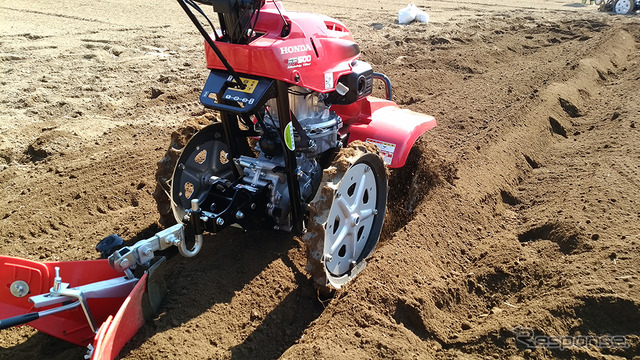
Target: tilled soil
{"x": 519, "y": 213}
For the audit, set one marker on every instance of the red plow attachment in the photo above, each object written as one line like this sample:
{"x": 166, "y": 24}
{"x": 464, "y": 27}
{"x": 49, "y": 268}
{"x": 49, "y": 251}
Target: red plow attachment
{"x": 95, "y": 306}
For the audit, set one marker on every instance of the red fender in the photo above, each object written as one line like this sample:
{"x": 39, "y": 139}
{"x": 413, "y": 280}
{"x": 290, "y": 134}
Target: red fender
{"x": 383, "y": 123}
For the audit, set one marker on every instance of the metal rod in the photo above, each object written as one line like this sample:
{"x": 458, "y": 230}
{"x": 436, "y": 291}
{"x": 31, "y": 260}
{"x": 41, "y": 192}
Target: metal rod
{"x": 387, "y": 84}
{"x": 25, "y": 318}
{"x": 284, "y": 117}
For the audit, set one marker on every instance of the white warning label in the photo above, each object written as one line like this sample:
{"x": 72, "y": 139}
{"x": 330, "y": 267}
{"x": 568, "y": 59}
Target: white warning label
{"x": 328, "y": 80}
{"x": 386, "y": 149}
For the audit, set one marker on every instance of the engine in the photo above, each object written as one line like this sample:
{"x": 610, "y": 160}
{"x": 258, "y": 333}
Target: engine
{"x": 320, "y": 126}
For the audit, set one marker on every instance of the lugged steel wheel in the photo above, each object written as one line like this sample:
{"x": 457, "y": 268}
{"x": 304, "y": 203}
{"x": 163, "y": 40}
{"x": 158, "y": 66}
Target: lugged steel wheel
{"x": 346, "y": 216}
{"x": 204, "y": 158}
{"x": 623, "y": 7}
{"x": 167, "y": 165}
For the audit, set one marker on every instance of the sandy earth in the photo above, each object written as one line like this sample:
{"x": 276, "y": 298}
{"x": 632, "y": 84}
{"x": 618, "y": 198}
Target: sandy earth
{"x": 523, "y": 206}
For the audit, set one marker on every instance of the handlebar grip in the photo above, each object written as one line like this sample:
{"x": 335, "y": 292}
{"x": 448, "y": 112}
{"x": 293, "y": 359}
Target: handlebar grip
{"x": 18, "y": 320}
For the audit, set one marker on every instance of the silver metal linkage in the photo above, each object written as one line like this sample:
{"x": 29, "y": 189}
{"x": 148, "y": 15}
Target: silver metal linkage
{"x": 142, "y": 252}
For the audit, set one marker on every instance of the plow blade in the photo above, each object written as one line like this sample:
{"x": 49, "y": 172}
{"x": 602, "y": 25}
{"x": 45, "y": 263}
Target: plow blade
{"x": 117, "y": 330}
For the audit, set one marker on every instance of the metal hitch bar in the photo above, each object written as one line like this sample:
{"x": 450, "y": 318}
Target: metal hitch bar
{"x": 142, "y": 252}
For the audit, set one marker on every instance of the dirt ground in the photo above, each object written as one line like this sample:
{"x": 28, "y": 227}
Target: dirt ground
{"x": 523, "y": 206}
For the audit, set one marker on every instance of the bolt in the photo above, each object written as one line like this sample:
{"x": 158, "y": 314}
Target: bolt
{"x": 124, "y": 263}
{"x": 338, "y": 195}
{"x": 147, "y": 252}
{"x": 181, "y": 166}
{"x": 220, "y": 221}
{"x": 57, "y": 281}
{"x": 276, "y": 227}
{"x": 239, "y": 215}
{"x": 328, "y": 257}
{"x": 253, "y": 206}
{"x": 367, "y": 169}
{"x": 375, "y": 211}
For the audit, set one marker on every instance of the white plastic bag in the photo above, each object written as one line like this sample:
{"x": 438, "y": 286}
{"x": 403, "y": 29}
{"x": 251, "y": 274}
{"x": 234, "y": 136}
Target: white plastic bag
{"x": 407, "y": 14}
{"x": 422, "y": 16}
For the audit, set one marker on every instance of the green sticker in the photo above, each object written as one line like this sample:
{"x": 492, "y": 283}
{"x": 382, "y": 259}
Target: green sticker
{"x": 288, "y": 137}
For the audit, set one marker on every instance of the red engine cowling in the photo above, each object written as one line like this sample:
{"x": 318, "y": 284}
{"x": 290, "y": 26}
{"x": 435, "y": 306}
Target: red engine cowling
{"x": 316, "y": 52}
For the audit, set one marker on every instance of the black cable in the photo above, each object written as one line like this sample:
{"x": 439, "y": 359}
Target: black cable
{"x": 255, "y": 22}
{"x": 273, "y": 122}
{"x": 237, "y": 24}
{"x": 198, "y": 9}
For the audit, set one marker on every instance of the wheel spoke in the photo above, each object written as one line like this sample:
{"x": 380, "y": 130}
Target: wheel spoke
{"x": 355, "y": 245}
{"x": 345, "y": 208}
{"x": 362, "y": 185}
{"x": 188, "y": 177}
{"x": 339, "y": 240}
{"x": 366, "y": 214}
